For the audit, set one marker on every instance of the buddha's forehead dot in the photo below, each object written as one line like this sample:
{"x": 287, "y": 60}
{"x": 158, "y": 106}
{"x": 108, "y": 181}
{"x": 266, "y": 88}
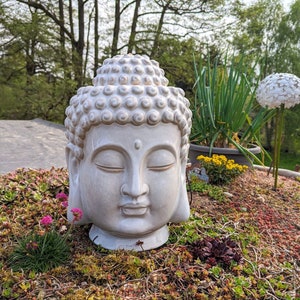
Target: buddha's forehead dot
{"x": 137, "y": 144}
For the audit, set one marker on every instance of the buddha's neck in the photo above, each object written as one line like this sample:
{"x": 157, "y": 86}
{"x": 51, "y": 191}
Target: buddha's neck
{"x": 146, "y": 242}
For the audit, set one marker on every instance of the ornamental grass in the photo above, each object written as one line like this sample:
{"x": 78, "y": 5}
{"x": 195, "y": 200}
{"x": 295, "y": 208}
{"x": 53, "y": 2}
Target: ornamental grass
{"x": 225, "y": 113}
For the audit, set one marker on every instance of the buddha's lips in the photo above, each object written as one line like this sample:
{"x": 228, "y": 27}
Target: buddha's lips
{"x": 133, "y": 210}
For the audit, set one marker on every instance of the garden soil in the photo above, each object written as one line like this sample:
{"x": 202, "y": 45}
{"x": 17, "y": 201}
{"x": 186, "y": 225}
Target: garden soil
{"x": 35, "y": 144}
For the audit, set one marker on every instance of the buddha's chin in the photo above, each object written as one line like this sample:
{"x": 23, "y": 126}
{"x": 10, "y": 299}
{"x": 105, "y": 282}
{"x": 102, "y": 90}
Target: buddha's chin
{"x": 135, "y": 226}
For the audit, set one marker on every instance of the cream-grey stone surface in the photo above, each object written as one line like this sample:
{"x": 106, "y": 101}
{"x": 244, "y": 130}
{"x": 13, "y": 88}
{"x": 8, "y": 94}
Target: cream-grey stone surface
{"x": 35, "y": 144}
{"x": 127, "y": 153}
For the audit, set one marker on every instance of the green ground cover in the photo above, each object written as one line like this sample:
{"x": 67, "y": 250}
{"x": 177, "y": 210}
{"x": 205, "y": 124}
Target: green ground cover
{"x": 241, "y": 242}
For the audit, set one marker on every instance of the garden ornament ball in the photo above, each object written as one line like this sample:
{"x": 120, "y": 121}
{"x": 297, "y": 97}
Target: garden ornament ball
{"x": 127, "y": 153}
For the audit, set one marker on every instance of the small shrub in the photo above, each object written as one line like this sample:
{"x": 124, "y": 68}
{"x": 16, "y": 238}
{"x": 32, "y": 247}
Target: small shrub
{"x": 219, "y": 169}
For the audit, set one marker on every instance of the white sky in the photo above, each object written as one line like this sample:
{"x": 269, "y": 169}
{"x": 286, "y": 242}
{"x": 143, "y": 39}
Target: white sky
{"x": 287, "y": 3}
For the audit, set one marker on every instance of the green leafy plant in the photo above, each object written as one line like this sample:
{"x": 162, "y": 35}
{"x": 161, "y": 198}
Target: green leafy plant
{"x": 220, "y": 170}
{"x": 46, "y": 249}
{"x": 224, "y": 109}
{"x": 40, "y": 252}
{"x": 197, "y": 185}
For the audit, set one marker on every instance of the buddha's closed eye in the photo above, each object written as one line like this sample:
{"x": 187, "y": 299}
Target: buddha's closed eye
{"x": 110, "y": 161}
{"x": 160, "y": 160}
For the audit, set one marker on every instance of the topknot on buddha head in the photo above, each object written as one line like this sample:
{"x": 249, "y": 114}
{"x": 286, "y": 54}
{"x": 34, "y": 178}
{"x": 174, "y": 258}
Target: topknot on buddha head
{"x": 128, "y": 89}
{"x": 130, "y": 70}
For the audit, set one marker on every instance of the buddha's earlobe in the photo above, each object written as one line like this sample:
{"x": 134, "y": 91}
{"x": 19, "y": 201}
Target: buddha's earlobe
{"x": 73, "y": 167}
{"x": 182, "y": 211}
{"x": 75, "y": 200}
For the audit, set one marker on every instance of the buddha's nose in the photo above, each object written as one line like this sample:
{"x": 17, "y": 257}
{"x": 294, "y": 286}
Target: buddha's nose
{"x": 135, "y": 187}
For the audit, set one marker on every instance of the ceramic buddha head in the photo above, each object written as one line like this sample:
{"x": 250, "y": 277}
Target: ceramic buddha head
{"x": 127, "y": 153}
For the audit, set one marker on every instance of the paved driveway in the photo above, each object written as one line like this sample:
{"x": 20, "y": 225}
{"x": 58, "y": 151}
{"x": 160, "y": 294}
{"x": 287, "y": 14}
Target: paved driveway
{"x": 35, "y": 144}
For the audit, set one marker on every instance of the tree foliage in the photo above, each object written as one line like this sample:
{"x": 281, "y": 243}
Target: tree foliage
{"x": 48, "y": 49}
{"x": 287, "y": 41}
{"x": 270, "y": 37}
{"x": 287, "y": 59}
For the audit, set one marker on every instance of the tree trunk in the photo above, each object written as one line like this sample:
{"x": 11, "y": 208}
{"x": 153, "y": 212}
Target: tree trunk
{"x": 114, "y": 46}
{"x": 30, "y": 48}
{"x": 79, "y": 45}
{"x": 131, "y": 42}
{"x": 62, "y": 38}
{"x": 96, "y": 39}
{"x": 159, "y": 28}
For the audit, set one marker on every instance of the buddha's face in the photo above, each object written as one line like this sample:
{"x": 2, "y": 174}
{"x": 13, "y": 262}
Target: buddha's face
{"x": 130, "y": 177}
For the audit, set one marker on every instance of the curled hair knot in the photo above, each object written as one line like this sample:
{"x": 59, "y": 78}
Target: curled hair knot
{"x": 107, "y": 117}
{"x": 146, "y": 102}
{"x": 151, "y": 91}
{"x": 137, "y": 90}
{"x": 160, "y": 102}
{"x": 131, "y": 102}
{"x": 100, "y": 103}
{"x": 123, "y": 90}
{"x": 115, "y": 101}
{"x": 122, "y": 117}
{"x": 153, "y": 117}
{"x": 108, "y": 90}
{"x": 138, "y": 118}
{"x": 168, "y": 116}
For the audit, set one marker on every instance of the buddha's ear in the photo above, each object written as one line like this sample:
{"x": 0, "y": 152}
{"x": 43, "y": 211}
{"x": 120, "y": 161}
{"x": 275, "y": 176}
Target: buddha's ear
{"x": 182, "y": 211}
{"x": 75, "y": 200}
{"x": 73, "y": 167}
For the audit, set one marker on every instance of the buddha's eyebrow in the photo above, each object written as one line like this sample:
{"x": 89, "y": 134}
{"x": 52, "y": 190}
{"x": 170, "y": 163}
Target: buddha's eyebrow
{"x": 111, "y": 146}
{"x": 167, "y": 147}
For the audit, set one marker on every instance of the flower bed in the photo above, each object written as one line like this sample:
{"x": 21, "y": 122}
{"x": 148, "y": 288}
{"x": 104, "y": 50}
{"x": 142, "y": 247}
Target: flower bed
{"x": 260, "y": 225}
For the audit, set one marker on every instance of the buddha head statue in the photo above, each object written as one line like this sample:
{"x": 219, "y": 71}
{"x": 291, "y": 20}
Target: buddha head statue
{"x": 127, "y": 153}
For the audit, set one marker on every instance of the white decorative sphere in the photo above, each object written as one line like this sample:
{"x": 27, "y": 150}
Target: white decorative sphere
{"x": 277, "y": 89}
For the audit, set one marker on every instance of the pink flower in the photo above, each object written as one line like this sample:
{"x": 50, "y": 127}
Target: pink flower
{"x": 64, "y": 203}
{"x": 62, "y": 196}
{"x": 47, "y": 220}
{"x": 77, "y": 213}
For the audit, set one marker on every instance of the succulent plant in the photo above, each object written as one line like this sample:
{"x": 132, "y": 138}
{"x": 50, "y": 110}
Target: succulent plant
{"x": 215, "y": 251}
